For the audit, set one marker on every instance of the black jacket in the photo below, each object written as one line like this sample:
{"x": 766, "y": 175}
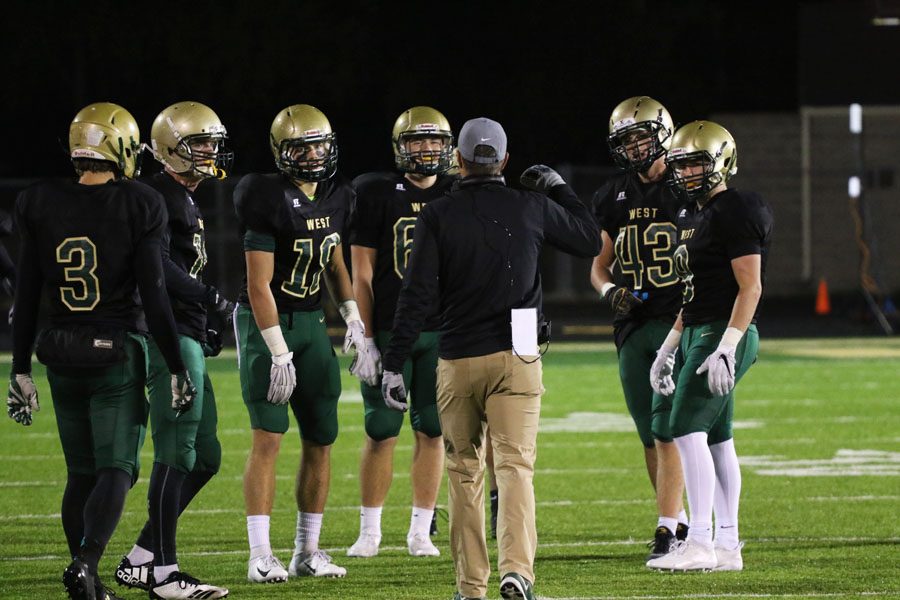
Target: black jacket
{"x": 476, "y": 253}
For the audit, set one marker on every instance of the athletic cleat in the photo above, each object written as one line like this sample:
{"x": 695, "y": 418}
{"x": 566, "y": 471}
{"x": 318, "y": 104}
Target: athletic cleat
{"x": 181, "y": 586}
{"x": 314, "y": 564}
{"x": 134, "y": 576}
{"x": 432, "y": 529}
{"x": 458, "y": 596}
{"x": 686, "y": 556}
{"x": 420, "y": 544}
{"x": 515, "y": 587}
{"x": 729, "y": 560}
{"x": 662, "y": 542}
{"x": 266, "y": 569}
{"x": 79, "y": 581}
{"x": 104, "y": 593}
{"x": 681, "y": 531}
{"x": 366, "y": 546}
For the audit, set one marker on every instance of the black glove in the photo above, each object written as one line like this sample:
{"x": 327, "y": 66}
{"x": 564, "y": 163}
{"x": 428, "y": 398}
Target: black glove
{"x": 540, "y": 178}
{"x": 183, "y": 392}
{"x": 622, "y": 300}
{"x": 222, "y": 306}
{"x": 215, "y": 329}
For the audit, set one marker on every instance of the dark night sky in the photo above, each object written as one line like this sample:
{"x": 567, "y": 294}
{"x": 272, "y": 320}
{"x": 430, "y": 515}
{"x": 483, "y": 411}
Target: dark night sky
{"x": 549, "y": 71}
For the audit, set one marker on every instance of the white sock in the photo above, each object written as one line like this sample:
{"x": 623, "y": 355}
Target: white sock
{"x": 420, "y": 520}
{"x": 682, "y": 517}
{"x": 139, "y": 556}
{"x": 668, "y": 522}
{"x": 728, "y": 493}
{"x": 309, "y": 526}
{"x": 700, "y": 482}
{"x": 160, "y": 573}
{"x": 258, "y": 535}
{"x": 370, "y": 520}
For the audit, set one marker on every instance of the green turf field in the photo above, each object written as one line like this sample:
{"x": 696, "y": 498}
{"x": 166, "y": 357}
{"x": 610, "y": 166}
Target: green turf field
{"x": 817, "y": 432}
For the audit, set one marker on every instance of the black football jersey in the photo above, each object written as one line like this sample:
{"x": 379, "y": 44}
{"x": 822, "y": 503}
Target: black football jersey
{"x": 187, "y": 249}
{"x": 640, "y": 219}
{"x": 305, "y": 232}
{"x": 85, "y": 237}
{"x": 731, "y": 225}
{"x": 384, "y": 218}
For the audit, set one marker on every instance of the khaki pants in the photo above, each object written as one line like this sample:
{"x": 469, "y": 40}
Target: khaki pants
{"x": 500, "y": 391}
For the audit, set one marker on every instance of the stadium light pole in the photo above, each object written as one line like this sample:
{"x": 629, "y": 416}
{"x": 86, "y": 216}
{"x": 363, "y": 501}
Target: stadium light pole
{"x": 865, "y": 238}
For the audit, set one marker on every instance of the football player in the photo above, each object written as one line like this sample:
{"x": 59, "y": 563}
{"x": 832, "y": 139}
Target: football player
{"x": 92, "y": 245}
{"x": 723, "y": 243}
{"x": 293, "y": 223}
{"x": 635, "y": 274}
{"x": 384, "y": 220}
{"x": 189, "y": 140}
{"x": 7, "y": 266}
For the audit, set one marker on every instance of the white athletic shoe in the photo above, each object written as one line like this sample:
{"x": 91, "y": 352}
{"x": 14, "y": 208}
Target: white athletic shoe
{"x": 266, "y": 569}
{"x": 181, "y": 586}
{"x": 686, "y": 556}
{"x": 314, "y": 564}
{"x": 366, "y": 546}
{"x": 729, "y": 560}
{"x": 419, "y": 544}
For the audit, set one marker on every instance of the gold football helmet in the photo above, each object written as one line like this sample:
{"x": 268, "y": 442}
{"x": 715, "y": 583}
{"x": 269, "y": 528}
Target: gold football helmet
{"x": 303, "y": 143}
{"x": 701, "y": 144}
{"x": 106, "y": 131}
{"x": 640, "y": 129}
{"x": 189, "y": 139}
{"x": 415, "y": 124}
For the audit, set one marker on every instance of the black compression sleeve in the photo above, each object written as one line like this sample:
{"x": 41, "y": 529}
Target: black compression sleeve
{"x": 28, "y": 300}
{"x": 151, "y": 284}
{"x": 7, "y": 267}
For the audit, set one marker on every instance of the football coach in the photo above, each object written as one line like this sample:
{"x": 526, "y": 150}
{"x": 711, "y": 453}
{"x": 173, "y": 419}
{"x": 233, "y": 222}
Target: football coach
{"x": 475, "y": 260}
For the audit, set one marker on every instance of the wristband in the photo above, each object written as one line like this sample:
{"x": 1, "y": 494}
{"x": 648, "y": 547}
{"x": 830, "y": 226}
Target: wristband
{"x": 604, "y": 289}
{"x": 349, "y": 311}
{"x": 731, "y": 337}
{"x": 274, "y": 340}
{"x": 673, "y": 339}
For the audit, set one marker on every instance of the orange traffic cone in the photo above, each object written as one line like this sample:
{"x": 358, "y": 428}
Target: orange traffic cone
{"x": 823, "y": 304}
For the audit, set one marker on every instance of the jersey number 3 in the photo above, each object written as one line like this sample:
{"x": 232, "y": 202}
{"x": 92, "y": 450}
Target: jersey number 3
{"x": 78, "y": 256}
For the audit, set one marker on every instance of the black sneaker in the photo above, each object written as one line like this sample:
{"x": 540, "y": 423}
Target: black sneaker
{"x": 661, "y": 544}
{"x": 495, "y": 508}
{"x": 134, "y": 576}
{"x": 433, "y": 530}
{"x": 182, "y": 585}
{"x": 681, "y": 531}
{"x": 515, "y": 587}
{"x": 79, "y": 581}
{"x": 102, "y": 592}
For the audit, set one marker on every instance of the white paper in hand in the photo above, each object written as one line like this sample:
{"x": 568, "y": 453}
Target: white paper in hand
{"x": 524, "y": 331}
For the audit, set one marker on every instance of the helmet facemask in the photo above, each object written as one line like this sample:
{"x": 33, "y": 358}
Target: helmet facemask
{"x": 693, "y": 174}
{"x": 207, "y": 153}
{"x": 637, "y": 146}
{"x": 424, "y": 162}
{"x": 293, "y": 157}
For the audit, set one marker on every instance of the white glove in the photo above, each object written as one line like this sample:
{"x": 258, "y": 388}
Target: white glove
{"x": 355, "y": 337}
{"x": 22, "y": 399}
{"x": 664, "y": 365}
{"x": 282, "y": 378}
{"x": 540, "y": 178}
{"x": 719, "y": 369}
{"x": 367, "y": 365}
{"x": 394, "y": 391}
